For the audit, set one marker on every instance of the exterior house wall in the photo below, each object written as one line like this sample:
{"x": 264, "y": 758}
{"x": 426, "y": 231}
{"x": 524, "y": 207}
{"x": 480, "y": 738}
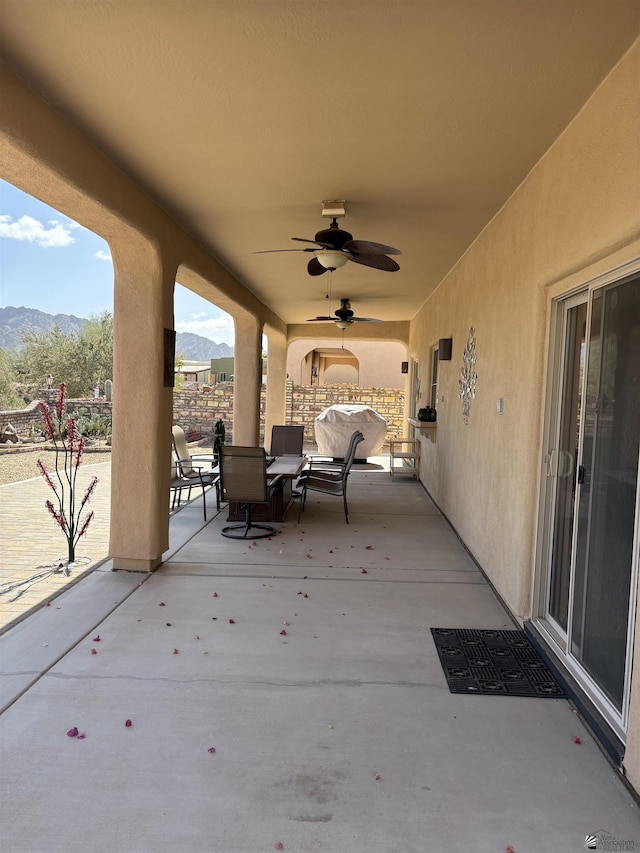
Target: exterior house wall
{"x": 574, "y": 217}
{"x": 378, "y": 361}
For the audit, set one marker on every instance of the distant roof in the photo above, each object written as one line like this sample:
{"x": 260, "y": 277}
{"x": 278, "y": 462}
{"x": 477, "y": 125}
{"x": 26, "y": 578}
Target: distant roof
{"x": 193, "y": 366}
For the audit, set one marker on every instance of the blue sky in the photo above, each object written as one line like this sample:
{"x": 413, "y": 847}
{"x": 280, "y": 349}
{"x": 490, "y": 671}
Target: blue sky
{"x": 51, "y": 263}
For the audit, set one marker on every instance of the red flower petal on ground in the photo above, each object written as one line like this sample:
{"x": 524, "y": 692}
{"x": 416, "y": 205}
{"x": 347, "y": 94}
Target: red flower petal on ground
{"x": 305, "y": 595}
{"x": 94, "y": 651}
{"x": 364, "y": 571}
{"x": 232, "y": 621}
{"x": 377, "y": 777}
{"x": 576, "y": 739}
{"x": 215, "y": 594}
{"x": 82, "y": 736}
{"x": 162, "y": 604}
{"x": 96, "y": 639}
{"x": 73, "y": 732}
{"x": 128, "y": 723}
{"x": 175, "y": 651}
{"x": 211, "y": 749}
{"x": 48, "y": 604}
{"x": 510, "y": 849}
{"x": 279, "y": 846}
{"x": 283, "y": 633}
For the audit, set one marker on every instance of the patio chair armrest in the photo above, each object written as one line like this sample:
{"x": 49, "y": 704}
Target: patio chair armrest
{"x": 327, "y": 476}
{"x": 276, "y": 480}
{"x": 316, "y": 463}
{"x": 200, "y": 467}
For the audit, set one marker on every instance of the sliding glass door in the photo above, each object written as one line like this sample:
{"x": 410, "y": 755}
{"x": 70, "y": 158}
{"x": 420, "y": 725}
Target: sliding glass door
{"x": 593, "y": 474}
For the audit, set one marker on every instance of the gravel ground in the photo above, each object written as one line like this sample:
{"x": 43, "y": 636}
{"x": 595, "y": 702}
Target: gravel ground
{"x": 19, "y": 464}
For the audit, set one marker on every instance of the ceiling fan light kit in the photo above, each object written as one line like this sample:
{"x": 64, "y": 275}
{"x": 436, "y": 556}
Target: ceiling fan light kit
{"x": 331, "y": 260}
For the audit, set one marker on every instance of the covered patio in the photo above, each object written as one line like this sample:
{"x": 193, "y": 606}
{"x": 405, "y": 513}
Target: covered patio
{"x": 340, "y": 734}
{"x": 495, "y": 145}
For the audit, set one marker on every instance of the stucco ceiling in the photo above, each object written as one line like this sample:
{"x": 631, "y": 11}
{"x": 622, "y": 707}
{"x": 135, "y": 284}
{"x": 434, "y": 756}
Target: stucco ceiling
{"x": 240, "y": 116}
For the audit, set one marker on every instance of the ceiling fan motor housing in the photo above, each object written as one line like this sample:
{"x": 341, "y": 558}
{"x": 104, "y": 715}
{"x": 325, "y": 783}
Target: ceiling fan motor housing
{"x": 344, "y": 312}
{"x": 333, "y": 236}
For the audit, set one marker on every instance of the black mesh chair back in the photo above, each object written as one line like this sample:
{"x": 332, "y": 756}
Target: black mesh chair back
{"x": 243, "y": 480}
{"x": 287, "y": 440}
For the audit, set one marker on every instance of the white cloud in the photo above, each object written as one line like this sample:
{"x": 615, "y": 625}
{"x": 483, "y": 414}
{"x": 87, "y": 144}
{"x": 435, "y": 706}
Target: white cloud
{"x": 104, "y": 256}
{"x": 52, "y": 235}
{"x": 218, "y": 329}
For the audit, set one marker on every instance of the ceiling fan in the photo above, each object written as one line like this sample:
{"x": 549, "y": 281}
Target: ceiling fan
{"x": 335, "y": 247}
{"x": 344, "y": 317}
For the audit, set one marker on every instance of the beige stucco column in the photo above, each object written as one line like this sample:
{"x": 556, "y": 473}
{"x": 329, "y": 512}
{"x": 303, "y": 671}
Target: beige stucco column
{"x": 247, "y": 378}
{"x": 142, "y": 406}
{"x": 275, "y": 409}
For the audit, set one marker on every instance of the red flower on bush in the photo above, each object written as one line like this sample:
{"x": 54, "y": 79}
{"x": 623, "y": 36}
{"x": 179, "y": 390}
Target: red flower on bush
{"x": 69, "y": 446}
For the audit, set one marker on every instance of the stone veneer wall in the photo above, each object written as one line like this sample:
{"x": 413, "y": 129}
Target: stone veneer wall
{"x": 198, "y": 410}
{"x": 308, "y": 402}
{"x": 23, "y": 419}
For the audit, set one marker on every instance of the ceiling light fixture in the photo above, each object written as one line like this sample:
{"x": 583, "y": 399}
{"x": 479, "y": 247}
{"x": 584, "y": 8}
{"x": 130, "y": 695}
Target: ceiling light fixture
{"x": 331, "y": 260}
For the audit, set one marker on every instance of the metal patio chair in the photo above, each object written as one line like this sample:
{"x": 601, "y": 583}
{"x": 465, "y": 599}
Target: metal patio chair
{"x": 330, "y": 480}
{"x": 243, "y": 481}
{"x": 189, "y": 471}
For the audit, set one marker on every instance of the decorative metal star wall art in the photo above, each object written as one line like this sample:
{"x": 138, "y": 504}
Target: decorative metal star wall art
{"x": 468, "y": 375}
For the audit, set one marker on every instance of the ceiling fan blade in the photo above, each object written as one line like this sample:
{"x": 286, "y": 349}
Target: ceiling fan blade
{"x": 321, "y": 319}
{"x": 271, "y": 251}
{"x": 365, "y": 320}
{"x": 315, "y": 243}
{"x": 378, "y": 262}
{"x": 365, "y": 247}
{"x": 314, "y": 267}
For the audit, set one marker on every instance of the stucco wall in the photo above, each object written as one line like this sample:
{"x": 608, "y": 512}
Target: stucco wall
{"x": 576, "y": 216}
{"x": 379, "y": 362}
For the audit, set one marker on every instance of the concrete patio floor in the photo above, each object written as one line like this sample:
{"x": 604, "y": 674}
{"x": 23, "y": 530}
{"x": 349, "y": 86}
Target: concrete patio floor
{"x": 340, "y": 735}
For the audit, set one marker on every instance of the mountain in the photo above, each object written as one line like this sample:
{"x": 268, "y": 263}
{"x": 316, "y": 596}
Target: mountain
{"x": 196, "y": 348}
{"x": 16, "y": 320}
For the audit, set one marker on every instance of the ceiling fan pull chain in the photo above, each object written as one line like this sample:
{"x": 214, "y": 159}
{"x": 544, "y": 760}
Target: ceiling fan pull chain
{"x": 330, "y": 282}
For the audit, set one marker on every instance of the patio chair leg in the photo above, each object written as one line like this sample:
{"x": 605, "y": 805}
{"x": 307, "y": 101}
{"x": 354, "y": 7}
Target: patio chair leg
{"x": 346, "y": 509}
{"x": 204, "y": 502}
{"x": 303, "y": 498}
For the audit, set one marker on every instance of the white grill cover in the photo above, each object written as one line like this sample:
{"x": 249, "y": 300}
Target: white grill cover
{"x": 336, "y": 424}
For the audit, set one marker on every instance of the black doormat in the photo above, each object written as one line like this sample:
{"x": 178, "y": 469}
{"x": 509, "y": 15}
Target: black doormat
{"x": 492, "y": 662}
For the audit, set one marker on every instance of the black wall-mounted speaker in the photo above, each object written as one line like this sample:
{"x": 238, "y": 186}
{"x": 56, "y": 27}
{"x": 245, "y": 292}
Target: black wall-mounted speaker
{"x": 445, "y": 346}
